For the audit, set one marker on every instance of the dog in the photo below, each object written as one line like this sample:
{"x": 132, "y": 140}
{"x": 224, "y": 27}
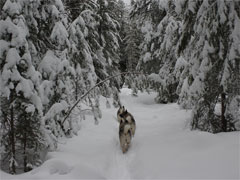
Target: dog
{"x": 127, "y": 127}
{"x": 124, "y": 136}
{"x": 124, "y": 115}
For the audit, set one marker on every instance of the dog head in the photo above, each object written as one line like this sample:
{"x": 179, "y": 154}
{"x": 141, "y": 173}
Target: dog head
{"x": 121, "y": 110}
{"x": 123, "y": 114}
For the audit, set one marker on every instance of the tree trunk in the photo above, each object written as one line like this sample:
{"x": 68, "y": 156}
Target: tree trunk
{"x": 76, "y": 90}
{"x": 12, "y": 134}
{"x": 223, "y": 103}
{"x": 25, "y": 153}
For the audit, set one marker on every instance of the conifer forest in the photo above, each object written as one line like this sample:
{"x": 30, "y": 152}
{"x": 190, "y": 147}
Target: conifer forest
{"x": 67, "y": 66}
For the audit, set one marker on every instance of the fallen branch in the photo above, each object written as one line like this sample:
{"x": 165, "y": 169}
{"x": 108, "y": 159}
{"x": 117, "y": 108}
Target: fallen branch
{"x": 84, "y": 95}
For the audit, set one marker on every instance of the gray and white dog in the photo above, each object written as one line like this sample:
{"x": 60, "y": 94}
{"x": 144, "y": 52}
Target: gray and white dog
{"x": 124, "y": 115}
{"x": 127, "y": 128}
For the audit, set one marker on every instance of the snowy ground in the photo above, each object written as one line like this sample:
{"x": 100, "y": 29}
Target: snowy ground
{"x": 163, "y": 148}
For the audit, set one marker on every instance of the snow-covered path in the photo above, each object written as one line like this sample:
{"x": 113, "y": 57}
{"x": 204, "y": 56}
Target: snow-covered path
{"x": 163, "y": 148}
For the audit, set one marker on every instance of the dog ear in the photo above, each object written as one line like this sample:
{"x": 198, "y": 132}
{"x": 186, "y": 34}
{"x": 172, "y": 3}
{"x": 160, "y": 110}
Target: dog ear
{"x": 126, "y": 111}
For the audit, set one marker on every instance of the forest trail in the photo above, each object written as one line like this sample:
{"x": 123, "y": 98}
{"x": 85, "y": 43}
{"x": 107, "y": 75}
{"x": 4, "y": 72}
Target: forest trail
{"x": 163, "y": 148}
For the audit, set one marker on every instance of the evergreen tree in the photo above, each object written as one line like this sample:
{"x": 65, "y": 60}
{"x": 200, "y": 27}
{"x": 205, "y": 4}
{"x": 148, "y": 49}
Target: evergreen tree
{"x": 108, "y": 31}
{"x": 209, "y": 55}
{"x": 132, "y": 50}
{"x": 19, "y": 88}
{"x": 76, "y": 7}
{"x": 94, "y": 35}
{"x": 57, "y": 73}
{"x": 124, "y": 27}
{"x": 161, "y": 28}
{"x": 231, "y": 73}
{"x": 82, "y": 37}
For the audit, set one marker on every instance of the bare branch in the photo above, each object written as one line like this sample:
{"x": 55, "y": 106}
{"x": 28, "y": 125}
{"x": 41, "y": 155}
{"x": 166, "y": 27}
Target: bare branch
{"x": 92, "y": 88}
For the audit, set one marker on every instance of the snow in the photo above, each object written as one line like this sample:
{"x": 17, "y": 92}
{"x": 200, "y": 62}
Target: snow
{"x": 147, "y": 57}
{"x": 59, "y": 5}
{"x": 147, "y": 29}
{"x": 12, "y": 7}
{"x": 155, "y": 77}
{"x": 180, "y": 65}
{"x": 234, "y": 110}
{"x": 179, "y": 4}
{"x": 12, "y": 58}
{"x": 18, "y": 35}
{"x": 25, "y": 86}
{"x": 163, "y": 148}
{"x": 57, "y": 108}
{"x": 12, "y": 161}
{"x": 59, "y": 34}
{"x": 4, "y": 46}
{"x": 55, "y": 12}
{"x": 128, "y": 2}
{"x": 30, "y": 108}
{"x": 35, "y": 99}
{"x": 49, "y": 63}
{"x": 222, "y": 11}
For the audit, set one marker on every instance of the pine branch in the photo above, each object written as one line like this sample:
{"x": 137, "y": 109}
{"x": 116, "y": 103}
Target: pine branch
{"x": 92, "y": 88}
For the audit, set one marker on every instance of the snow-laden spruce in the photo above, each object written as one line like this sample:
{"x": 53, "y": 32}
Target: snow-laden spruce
{"x": 161, "y": 29}
{"x": 213, "y": 66}
{"x": 21, "y": 106}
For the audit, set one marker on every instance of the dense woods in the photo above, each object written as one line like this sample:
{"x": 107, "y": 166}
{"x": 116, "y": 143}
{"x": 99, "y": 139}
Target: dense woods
{"x": 191, "y": 53}
{"x": 52, "y": 52}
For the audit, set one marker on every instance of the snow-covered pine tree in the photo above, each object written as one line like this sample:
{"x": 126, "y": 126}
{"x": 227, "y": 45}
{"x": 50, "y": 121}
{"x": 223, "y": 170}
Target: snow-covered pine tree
{"x": 231, "y": 73}
{"x": 132, "y": 39}
{"x": 212, "y": 59}
{"x": 1, "y": 6}
{"x": 92, "y": 54}
{"x": 161, "y": 28}
{"x": 85, "y": 53}
{"x": 130, "y": 51}
{"x": 129, "y": 45}
{"x": 19, "y": 82}
{"x": 142, "y": 16}
{"x": 109, "y": 38}
{"x": 95, "y": 37}
{"x": 187, "y": 11}
{"x": 56, "y": 70}
{"x": 122, "y": 15}
{"x": 82, "y": 36}
{"x": 75, "y": 7}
